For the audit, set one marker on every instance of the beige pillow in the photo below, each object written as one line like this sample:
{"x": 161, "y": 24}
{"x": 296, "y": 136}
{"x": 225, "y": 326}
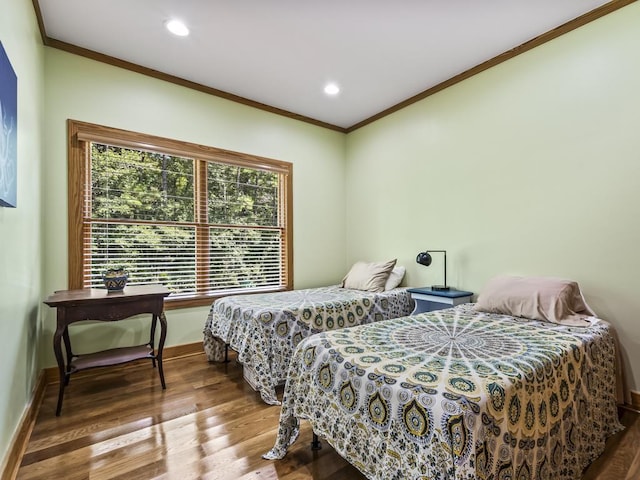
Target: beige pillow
{"x": 371, "y": 277}
{"x": 539, "y": 298}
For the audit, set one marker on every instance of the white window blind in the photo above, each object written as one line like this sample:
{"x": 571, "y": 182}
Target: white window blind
{"x": 198, "y": 226}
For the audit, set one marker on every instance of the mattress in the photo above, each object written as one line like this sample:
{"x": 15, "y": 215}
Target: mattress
{"x": 456, "y": 394}
{"x": 265, "y": 328}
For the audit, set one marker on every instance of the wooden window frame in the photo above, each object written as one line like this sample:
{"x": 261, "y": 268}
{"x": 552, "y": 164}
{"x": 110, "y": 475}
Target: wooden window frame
{"x": 80, "y": 134}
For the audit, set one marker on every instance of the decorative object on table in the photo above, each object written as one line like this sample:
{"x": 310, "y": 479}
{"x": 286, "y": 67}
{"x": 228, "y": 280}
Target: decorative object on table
{"x": 424, "y": 258}
{"x": 115, "y": 279}
{"x": 8, "y": 132}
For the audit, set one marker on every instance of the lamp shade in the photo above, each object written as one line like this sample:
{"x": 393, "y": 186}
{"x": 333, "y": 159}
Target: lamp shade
{"x": 425, "y": 259}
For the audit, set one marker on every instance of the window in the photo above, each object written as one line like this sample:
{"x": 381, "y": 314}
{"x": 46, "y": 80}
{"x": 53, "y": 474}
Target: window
{"x": 204, "y": 222}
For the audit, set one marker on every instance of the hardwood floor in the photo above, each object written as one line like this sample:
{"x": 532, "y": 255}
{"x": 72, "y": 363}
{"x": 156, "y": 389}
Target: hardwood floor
{"x": 208, "y": 424}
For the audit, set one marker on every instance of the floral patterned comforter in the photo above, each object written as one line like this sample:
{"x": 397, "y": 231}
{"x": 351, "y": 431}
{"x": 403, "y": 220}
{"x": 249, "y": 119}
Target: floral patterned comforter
{"x": 265, "y": 328}
{"x": 456, "y": 394}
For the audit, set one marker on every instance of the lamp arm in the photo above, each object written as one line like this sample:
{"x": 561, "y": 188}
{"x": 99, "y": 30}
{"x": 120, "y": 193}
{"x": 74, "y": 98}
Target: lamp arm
{"x": 445, "y": 268}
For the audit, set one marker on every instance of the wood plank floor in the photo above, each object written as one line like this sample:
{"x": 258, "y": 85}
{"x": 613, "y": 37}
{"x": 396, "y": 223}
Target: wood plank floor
{"x": 208, "y": 424}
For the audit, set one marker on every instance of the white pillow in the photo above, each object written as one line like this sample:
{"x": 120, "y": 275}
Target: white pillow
{"x": 395, "y": 278}
{"x": 371, "y": 277}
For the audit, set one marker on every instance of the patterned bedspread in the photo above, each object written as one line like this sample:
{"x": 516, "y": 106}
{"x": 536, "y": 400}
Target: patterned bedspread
{"x": 265, "y": 328}
{"x": 456, "y": 394}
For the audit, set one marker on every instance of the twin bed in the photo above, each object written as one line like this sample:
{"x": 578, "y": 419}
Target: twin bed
{"x": 510, "y": 390}
{"x": 265, "y": 328}
{"x": 456, "y": 394}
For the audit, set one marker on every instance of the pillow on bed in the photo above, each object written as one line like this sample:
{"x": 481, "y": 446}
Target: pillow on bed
{"x": 371, "y": 277}
{"x": 395, "y": 278}
{"x": 539, "y": 298}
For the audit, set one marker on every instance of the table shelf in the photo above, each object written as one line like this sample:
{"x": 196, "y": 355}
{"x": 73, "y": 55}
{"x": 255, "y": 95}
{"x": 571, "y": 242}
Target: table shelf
{"x": 114, "y": 356}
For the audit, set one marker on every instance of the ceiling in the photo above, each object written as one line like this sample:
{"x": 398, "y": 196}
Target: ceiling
{"x": 279, "y": 54}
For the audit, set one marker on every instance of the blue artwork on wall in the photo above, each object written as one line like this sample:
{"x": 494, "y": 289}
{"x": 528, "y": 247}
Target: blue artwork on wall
{"x": 8, "y": 132}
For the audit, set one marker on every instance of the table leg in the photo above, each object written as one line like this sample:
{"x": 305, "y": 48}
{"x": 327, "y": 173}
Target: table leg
{"x": 152, "y": 338}
{"x": 57, "y": 350}
{"x": 163, "y": 336}
{"x": 67, "y": 347}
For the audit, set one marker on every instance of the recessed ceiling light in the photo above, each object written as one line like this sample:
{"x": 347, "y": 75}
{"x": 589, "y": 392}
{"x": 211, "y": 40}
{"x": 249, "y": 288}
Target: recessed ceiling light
{"x": 331, "y": 89}
{"x": 177, "y": 28}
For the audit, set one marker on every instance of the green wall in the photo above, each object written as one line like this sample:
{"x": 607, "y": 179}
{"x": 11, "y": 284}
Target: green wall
{"x": 90, "y": 91}
{"x": 531, "y": 167}
{"x": 20, "y": 251}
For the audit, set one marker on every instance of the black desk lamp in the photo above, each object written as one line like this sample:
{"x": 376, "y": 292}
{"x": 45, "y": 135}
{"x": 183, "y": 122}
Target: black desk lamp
{"x": 424, "y": 258}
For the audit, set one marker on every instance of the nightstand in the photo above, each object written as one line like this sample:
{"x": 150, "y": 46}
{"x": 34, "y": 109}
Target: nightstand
{"x": 428, "y": 300}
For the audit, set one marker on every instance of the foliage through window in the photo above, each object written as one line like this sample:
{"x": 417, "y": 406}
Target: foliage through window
{"x": 202, "y": 221}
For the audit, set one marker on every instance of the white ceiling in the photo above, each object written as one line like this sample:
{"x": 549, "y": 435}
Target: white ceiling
{"x": 282, "y": 52}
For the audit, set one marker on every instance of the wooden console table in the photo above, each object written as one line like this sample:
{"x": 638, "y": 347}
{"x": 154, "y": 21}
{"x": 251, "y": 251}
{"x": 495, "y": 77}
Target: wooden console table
{"x": 102, "y": 305}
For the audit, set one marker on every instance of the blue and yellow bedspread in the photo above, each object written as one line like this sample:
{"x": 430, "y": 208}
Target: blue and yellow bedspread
{"x": 456, "y": 394}
{"x": 265, "y": 328}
